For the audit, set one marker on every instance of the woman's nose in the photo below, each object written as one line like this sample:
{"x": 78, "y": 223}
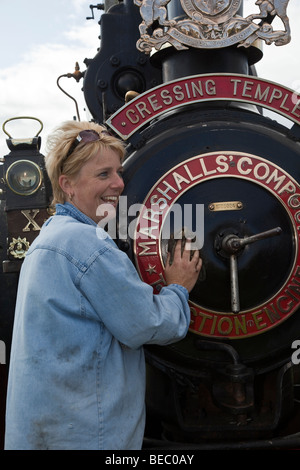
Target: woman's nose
{"x": 118, "y": 182}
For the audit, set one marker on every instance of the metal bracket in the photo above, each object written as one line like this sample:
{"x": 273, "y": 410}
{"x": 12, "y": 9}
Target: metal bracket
{"x": 99, "y": 6}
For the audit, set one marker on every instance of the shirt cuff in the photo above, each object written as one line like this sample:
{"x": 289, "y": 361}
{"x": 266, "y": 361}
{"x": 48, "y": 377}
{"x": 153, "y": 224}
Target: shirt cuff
{"x": 183, "y": 289}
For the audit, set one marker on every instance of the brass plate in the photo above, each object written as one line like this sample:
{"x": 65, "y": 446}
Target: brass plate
{"x": 226, "y": 206}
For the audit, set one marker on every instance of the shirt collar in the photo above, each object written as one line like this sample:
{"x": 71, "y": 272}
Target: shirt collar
{"x": 71, "y": 210}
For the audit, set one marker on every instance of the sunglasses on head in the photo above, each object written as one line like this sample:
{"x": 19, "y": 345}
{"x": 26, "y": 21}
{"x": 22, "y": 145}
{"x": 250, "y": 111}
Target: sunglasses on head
{"x": 88, "y": 135}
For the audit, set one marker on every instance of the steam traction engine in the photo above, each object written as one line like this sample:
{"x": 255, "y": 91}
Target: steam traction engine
{"x": 177, "y": 81}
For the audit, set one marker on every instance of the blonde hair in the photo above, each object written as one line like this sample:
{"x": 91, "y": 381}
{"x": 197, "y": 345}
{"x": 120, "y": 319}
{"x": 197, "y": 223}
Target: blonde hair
{"x": 59, "y": 144}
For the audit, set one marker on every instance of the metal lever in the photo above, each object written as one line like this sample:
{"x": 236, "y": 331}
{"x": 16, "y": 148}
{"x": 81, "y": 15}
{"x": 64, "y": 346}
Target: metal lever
{"x": 237, "y": 243}
{"x": 232, "y": 245}
{"x": 234, "y": 285}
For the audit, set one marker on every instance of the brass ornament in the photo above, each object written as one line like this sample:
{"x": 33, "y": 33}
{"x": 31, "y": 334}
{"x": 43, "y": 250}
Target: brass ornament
{"x": 18, "y": 247}
{"x": 151, "y": 269}
{"x": 210, "y": 24}
{"x": 31, "y": 221}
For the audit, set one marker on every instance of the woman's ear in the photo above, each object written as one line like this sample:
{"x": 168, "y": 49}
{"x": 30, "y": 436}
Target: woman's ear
{"x": 65, "y": 184}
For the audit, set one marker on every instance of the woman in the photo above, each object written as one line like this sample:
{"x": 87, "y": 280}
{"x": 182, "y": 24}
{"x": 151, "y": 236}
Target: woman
{"x": 77, "y": 369}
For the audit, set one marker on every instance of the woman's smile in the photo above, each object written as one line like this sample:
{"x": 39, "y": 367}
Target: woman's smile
{"x": 110, "y": 200}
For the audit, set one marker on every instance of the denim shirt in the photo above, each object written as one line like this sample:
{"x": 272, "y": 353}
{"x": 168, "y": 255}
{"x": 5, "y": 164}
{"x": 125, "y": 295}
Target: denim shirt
{"x": 77, "y": 368}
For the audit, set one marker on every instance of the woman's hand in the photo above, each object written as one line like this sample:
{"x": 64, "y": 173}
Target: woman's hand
{"x": 185, "y": 266}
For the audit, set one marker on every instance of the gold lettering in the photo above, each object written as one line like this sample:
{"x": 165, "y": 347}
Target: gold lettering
{"x": 284, "y": 101}
{"x": 204, "y": 318}
{"x": 145, "y": 246}
{"x": 150, "y": 214}
{"x": 261, "y": 96}
{"x": 297, "y": 105}
{"x": 187, "y": 90}
{"x": 155, "y": 201}
{"x": 240, "y": 324}
{"x": 213, "y": 326}
{"x": 167, "y": 99}
{"x": 154, "y": 103}
{"x": 289, "y": 304}
{"x": 205, "y": 171}
{"x": 297, "y": 273}
{"x": 265, "y": 174}
{"x": 241, "y": 165}
{"x": 294, "y": 201}
{"x": 272, "y": 314}
{"x": 31, "y": 220}
{"x": 179, "y": 179}
{"x": 297, "y": 217}
{"x": 168, "y": 188}
{"x": 247, "y": 87}
{"x": 291, "y": 294}
{"x": 197, "y": 89}
{"x": 179, "y": 95}
{"x": 276, "y": 94}
{"x": 159, "y": 283}
{"x": 220, "y": 160}
{"x": 294, "y": 287}
{"x": 193, "y": 314}
{"x": 274, "y": 176}
{"x": 148, "y": 232}
{"x": 210, "y": 87}
{"x": 142, "y": 109}
{"x": 192, "y": 178}
{"x": 289, "y": 187}
{"x": 258, "y": 320}
{"x": 227, "y": 329}
{"x": 235, "y": 82}
{"x": 131, "y": 119}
